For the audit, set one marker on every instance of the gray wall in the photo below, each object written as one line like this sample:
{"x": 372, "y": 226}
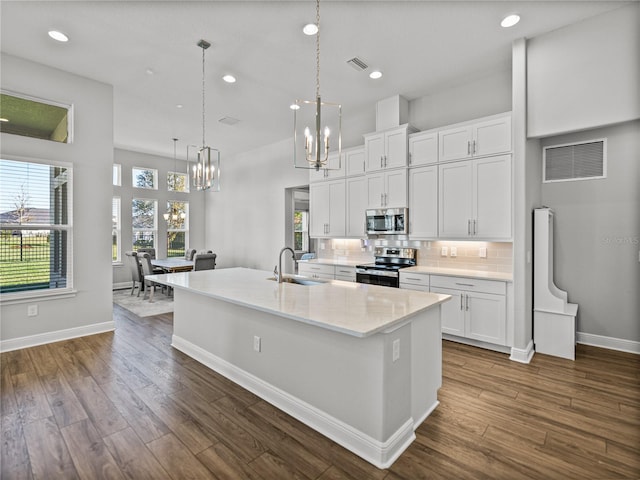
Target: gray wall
{"x": 126, "y": 192}
{"x": 91, "y": 154}
{"x": 597, "y": 235}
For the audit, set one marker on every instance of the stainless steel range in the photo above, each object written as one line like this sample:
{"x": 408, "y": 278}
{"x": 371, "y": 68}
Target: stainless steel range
{"x": 386, "y": 269}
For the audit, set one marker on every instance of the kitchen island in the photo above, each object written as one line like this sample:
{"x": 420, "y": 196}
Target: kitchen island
{"x": 361, "y": 364}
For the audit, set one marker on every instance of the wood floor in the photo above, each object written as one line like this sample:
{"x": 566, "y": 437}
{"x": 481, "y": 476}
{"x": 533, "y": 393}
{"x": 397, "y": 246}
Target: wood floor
{"x": 126, "y": 405}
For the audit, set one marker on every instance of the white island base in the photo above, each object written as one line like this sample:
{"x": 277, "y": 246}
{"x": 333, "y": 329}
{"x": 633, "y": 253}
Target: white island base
{"x": 367, "y": 390}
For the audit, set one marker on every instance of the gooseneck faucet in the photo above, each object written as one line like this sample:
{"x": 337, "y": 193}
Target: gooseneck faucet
{"x": 278, "y": 270}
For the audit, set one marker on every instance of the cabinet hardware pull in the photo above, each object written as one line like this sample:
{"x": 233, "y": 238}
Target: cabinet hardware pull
{"x": 409, "y": 158}
{"x": 475, "y": 150}
{"x": 385, "y": 161}
{"x": 414, "y": 278}
{"x": 466, "y": 301}
{"x": 475, "y": 231}
{"x": 461, "y": 295}
{"x": 381, "y": 157}
{"x": 466, "y": 284}
{"x": 468, "y": 147}
{"x": 468, "y": 227}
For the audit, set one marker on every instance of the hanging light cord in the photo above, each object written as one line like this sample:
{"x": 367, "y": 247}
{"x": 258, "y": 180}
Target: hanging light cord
{"x": 203, "y": 142}
{"x": 318, "y": 49}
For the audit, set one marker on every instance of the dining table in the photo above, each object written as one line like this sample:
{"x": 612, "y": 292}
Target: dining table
{"x": 173, "y": 264}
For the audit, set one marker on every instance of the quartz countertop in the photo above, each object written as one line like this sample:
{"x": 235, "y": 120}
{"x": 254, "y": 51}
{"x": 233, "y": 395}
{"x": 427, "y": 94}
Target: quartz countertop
{"x": 352, "y": 308}
{"x": 459, "y": 272}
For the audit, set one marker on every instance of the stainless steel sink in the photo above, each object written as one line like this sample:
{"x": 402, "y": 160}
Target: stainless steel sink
{"x": 299, "y": 280}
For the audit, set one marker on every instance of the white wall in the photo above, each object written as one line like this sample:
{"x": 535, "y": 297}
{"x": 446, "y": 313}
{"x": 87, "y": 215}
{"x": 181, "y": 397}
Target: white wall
{"x": 127, "y": 193}
{"x": 585, "y": 75}
{"x": 91, "y": 154}
{"x": 597, "y": 236}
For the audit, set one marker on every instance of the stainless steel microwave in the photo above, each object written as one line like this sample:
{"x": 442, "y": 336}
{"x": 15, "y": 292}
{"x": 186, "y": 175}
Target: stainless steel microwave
{"x": 388, "y": 221}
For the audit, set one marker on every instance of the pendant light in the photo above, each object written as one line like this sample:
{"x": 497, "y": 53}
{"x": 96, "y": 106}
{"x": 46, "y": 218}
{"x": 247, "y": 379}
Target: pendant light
{"x": 206, "y": 168}
{"x": 317, "y": 124}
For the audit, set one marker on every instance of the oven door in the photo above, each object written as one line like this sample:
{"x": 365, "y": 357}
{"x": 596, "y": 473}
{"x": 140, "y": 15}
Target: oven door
{"x": 378, "y": 277}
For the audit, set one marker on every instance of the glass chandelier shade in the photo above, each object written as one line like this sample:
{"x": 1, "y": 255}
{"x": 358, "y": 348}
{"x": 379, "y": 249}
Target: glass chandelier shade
{"x": 317, "y": 125}
{"x": 205, "y": 173}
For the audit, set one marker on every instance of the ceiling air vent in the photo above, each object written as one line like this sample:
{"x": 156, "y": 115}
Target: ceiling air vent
{"x": 575, "y": 161}
{"x": 357, "y": 64}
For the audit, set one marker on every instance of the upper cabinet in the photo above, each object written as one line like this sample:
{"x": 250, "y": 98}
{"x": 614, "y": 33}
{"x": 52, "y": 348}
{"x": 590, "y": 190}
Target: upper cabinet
{"x": 387, "y": 189}
{"x": 423, "y": 148}
{"x": 354, "y": 161}
{"x": 489, "y": 136}
{"x": 327, "y": 209}
{"x": 336, "y": 169}
{"x": 387, "y": 149}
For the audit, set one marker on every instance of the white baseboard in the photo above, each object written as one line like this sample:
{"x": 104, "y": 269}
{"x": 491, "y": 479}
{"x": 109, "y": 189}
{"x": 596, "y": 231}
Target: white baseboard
{"x": 608, "y": 342}
{"x": 122, "y": 286}
{"x": 522, "y": 355}
{"x": 57, "y": 336}
{"x": 380, "y": 454}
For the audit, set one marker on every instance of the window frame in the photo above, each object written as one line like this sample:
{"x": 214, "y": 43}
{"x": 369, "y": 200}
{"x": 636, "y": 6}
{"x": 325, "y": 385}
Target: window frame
{"x": 117, "y": 229}
{"x": 186, "y": 183}
{"x": 155, "y": 223}
{"x": 68, "y": 290}
{"x": 185, "y": 228}
{"x": 117, "y": 175}
{"x": 155, "y": 178}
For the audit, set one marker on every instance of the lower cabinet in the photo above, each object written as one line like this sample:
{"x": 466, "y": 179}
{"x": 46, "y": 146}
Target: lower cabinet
{"x": 477, "y": 309}
{"x": 327, "y": 272}
{"x": 414, "y": 281}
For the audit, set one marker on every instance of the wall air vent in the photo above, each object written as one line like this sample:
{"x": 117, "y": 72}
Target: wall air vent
{"x": 575, "y": 161}
{"x": 357, "y": 64}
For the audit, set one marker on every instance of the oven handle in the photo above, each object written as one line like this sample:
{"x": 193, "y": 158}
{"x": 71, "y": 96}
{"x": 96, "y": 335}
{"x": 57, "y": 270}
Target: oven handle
{"x": 378, "y": 273}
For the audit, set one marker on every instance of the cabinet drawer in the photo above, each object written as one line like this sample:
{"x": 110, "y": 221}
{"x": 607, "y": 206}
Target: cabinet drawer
{"x": 317, "y": 268}
{"x": 469, "y": 284}
{"x": 346, "y": 273}
{"x": 414, "y": 279}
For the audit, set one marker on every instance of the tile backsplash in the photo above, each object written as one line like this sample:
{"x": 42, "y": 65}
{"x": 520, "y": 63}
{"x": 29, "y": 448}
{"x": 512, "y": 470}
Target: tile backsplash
{"x": 462, "y": 254}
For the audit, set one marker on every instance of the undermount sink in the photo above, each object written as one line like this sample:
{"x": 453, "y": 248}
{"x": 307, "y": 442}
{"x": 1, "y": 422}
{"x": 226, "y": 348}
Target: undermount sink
{"x": 299, "y": 280}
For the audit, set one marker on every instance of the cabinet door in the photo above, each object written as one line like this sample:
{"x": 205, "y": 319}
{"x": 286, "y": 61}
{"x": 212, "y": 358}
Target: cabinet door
{"x": 337, "y": 209}
{"x": 452, "y": 312}
{"x": 492, "y": 197}
{"x": 356, "y": 206}
{"x": 455, "y": 199}
{"x": 336, "y": 166}
{"x": 423, "y": 202}
{"x": 423, "y": 148}
{"x": 375, "y": 190}
{"x": 395, "y": 148}
{"x": 492, "y": 136}
{"x": 395, "y": 188}
{"x": 455, "y": 143}
{"x": 318, "y": 209}
{"x": 485, "y": 317}
{"x": 374, "y": 151}
{"x": 354, "y": 161}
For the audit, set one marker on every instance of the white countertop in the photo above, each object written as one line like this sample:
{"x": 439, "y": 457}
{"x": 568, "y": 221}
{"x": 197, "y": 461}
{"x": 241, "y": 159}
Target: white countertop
{"x": 352, "y": 308}
{"x": 459, "y": 272}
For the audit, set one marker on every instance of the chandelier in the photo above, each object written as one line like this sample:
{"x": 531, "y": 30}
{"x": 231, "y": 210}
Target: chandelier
{"x": 174, "y": 212}
{"x": 206, "y": 168}
{"x": 317, "y": 125}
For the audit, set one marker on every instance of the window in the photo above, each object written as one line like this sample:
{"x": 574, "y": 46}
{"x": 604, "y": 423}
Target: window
{"x": 301, "y": 231}
{"x": 177, "y": 182}
{"x": 144, "y": 220}
{"x": 115, "y": 230}
{"x": 177, "y": 228}
{"x": 117, "y": 175}
{"x": 144, "y": 178}
{"x": 35, "y": 226}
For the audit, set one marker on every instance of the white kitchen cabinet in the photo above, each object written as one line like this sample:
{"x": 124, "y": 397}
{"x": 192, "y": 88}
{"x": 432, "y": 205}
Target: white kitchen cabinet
{"x": 423, "y": 202}
{"x": 477, "y": 309}
{"x": 346, "y": 274}
{"x": 327, "y": 209}
{"x": 387, "y": 149}
{"x": 316, "y": 270}
{"x": 336, "y": 169}
{"x": 474, "y": 198}
{"x": 423, "y": 148}
{"x": 489, "y": 136}
{"x": 414, "y": 281}
{"x": 387, "y": 189}
{"x": 356, "y": 206}
{"x": 354, "y": 161}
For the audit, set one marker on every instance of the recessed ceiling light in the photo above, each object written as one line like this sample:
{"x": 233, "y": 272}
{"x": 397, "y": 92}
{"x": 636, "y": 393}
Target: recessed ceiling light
{"x": 59, "y": 36}
{"x": 510, "y": 20}
{"x": 294, "y": 106}
{"x": 179, "y": 105}
{"x": 229, "y": 78}
{"x": 4, "y": 119}
{"x": 310, "y": 29}
{"x": 149, "y": 71}
{"x": 375, "y": 74}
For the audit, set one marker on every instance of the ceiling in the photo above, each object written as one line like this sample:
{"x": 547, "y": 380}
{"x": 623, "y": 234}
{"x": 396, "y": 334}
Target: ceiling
{"x": 148, "y": 51}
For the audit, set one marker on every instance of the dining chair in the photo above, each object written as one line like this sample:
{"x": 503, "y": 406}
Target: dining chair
{"x": 204, "y": 261}
{"x": 150, "y": 250}
{"x": 188, "y": 254}
{"x": 147, "y": 269}
{"x": 136, "y": 271}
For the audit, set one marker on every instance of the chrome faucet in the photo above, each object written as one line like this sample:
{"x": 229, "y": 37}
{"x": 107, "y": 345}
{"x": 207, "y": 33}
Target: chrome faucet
{"x": 277, "y": 271}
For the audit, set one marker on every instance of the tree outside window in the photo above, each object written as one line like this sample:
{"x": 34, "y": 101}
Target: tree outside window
{"x": 177, "y": 228}
{"x": 177, "y": 182}
{"x": 144, "y": 221}
{"x": 144, "y": 178}
{"x": 301, "y": 231}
